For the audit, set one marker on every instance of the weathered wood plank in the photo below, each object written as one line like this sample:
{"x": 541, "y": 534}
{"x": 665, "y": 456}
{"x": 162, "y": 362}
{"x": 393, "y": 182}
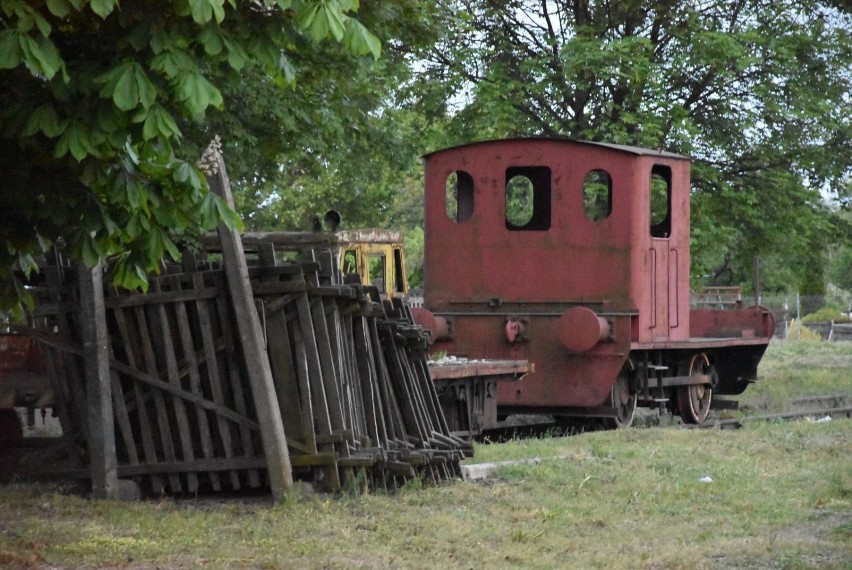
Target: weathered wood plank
{"x": 165, "y": 345}
{"x": 236, "y": 384}
{"x": 173, "y": 388}
{"x": 281, "y": 356}
{"x": 187, "y": 343}
{"x": 165, "y": 429}
{"x": 215, "y": 383}
{"x": 253, "y": 346}
{"x": 128, "y": 342}
{"x": 101, "y": 435}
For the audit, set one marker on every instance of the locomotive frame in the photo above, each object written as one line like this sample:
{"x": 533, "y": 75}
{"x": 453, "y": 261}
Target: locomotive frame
{"x": 575, "y": 256}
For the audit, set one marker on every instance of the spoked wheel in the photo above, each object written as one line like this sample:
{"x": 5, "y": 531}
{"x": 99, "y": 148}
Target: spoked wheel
{"x": 623, "y": 401}
{"x": 693, "y": 401}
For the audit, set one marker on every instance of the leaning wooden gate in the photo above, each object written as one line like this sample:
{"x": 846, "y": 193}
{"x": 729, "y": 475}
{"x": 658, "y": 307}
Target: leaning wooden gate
{"x": 349, "y": 370}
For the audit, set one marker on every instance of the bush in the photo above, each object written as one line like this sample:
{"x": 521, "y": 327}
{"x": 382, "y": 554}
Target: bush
{"x": 798, "y": 331}
{"x": 826, "y": 314}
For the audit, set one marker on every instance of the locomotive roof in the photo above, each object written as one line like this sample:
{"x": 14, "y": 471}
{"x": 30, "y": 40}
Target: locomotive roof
{"x": 634, "y": 150}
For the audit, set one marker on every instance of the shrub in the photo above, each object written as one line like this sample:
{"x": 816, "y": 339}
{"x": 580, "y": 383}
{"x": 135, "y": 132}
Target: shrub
{"x": 826, "y": 314}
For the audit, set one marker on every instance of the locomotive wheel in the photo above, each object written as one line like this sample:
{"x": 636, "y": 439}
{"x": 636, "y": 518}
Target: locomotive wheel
{"x": 693, "y": 401}
{"x": 623, "y": 401}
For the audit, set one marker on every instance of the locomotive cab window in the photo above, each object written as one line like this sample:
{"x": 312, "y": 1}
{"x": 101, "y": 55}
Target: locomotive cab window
{"x": 661, "y": 201}
{"x": 597, "y": 195}
{"x": 378, "y": 270}
{"x": 528, "y": 191}
{"x": 459, "y": 196}
{"x": 398, "y": 276}
{"x": 350, "y": 261}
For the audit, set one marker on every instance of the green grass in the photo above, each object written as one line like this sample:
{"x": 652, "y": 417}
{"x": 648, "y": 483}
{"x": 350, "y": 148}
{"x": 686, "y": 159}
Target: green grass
{"x": 780, "y": 497}
{"x": 792, "y": 369}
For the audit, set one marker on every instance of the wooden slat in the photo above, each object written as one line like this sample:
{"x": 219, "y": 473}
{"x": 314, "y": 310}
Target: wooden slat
{"x": 187, "y": 344}
{"x": 281, "y": 358}
{"x": 236, "y": 384}
{"x": 128, "y": 342}
{"x": 101, "y": 435}
{"x": 214, "y": 382}
{"x": 253, "y": 347}
{"x": 165, "y": 429}
{"x": 165, "y": 345}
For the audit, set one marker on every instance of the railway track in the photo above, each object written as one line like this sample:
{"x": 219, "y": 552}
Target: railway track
{"x": 813, "y": 406}
{"x": 836, "y": 405}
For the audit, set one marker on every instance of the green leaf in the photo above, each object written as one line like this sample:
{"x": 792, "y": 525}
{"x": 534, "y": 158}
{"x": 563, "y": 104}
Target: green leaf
{"x": 88, "y": 251}
{"x": 360, "y": 41}
{"x": 126, "y": 92}
{"x": 237, "y": 56}
{"x": 133, "y": 228}
{"x": 147, "y": 90}
{"x": 208, "y": 211}
{"x": 226, "y": 214}
{"x": 321, "y": 19}
{"x": 40, "y": 56}
{"x": 211, "y": 41}
{"x": 187, "y": 173}
{"x": 42, "y": 24}
{"x": 102, "y": 8}
{"x": 198, "y": 93}
{"x": 203, "y": 10}
{"x": 159, "y": 122}
{"x": 10, "y": 49}
{"x": 171, "y": 248}
{"x": 133, "y": 191}
{"x": 128, "y": 86}
{"x": 58, "y": 8}
{"x": 173, "y": 61}
{"x": 44, "y": 119}
{"x": 76, "y": 140}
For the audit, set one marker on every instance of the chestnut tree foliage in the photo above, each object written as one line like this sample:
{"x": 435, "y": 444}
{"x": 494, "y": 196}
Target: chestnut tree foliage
{"x": 106, "y": 105}
{"x": 100, "y": 113}
{"x": 757, "y": 93}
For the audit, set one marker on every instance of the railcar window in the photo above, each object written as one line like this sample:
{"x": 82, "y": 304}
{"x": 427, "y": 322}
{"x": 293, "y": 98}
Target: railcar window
{"x": 398, "y": 271}
{"x": 661, "y": 201}
{"x": 350, "y": 261}
{"x": 459, "y": 196}
{"x": 378, "y": 263}
{"x": 597, "y": 195}
{"x": 528, "y": 198}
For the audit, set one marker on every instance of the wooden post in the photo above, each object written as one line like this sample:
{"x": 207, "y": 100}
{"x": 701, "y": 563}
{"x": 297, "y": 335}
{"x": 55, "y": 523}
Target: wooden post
{"x": 101, "y": 430}
{"x": 251, "y": 337}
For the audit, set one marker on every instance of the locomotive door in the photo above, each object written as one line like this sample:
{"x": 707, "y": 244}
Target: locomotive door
{"x": 663, "y": 262}
{"x": 662, "y": 267}
{"x": 658, "y": 264}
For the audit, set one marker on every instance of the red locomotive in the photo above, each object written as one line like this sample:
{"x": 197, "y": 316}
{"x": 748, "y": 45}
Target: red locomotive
{"x": 575, "y": 256}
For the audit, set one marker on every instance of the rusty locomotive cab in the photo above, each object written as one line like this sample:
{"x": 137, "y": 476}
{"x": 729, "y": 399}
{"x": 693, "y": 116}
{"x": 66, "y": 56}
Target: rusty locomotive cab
{"x": 575, "y": 256}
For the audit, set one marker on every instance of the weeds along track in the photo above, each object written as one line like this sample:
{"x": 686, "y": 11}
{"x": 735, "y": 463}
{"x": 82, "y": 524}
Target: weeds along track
{"x": 810, "y": 407}
{"x": 835, "y": 405}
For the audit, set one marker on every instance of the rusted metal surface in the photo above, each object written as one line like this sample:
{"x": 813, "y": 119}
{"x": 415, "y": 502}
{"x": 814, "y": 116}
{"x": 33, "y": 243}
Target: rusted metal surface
{"x": 753, "y": 322}
{"x": 23, "y": 375}
{"x": 467, "y": 391}
{"x": 579, "y": 291}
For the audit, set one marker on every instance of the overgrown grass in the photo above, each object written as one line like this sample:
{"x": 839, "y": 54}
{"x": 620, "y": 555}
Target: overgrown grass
{"x": 797, "y": 369}
{"x": 780, "y": 497}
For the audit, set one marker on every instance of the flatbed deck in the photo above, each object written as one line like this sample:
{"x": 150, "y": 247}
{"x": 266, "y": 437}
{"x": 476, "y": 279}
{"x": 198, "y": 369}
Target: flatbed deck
{"x": 695, "y": 342}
